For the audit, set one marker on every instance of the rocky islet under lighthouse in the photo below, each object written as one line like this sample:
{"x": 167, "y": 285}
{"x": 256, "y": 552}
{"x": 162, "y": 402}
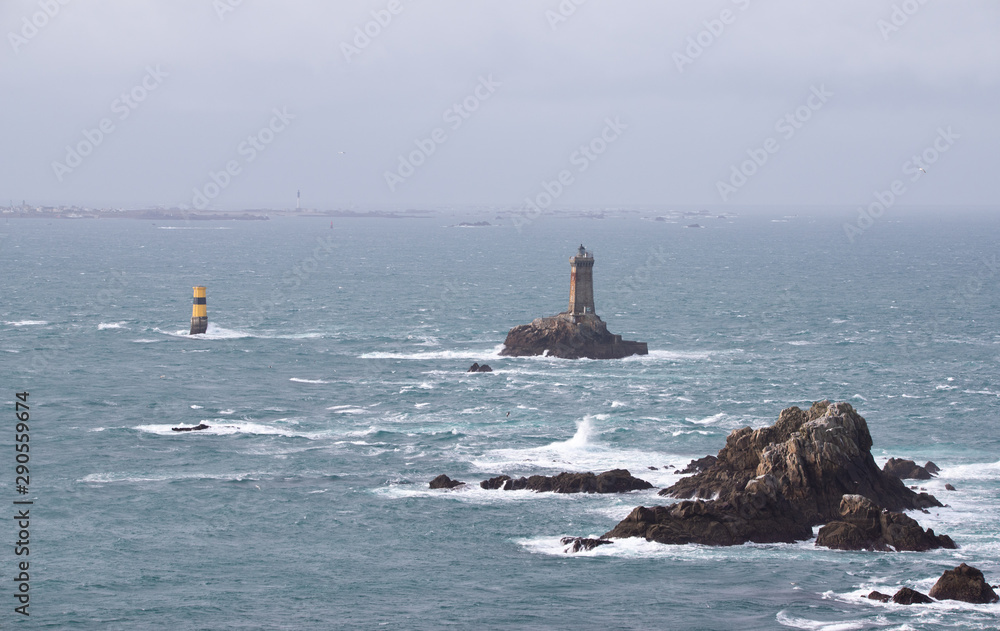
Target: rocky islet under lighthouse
{"x": 577, "y": 332}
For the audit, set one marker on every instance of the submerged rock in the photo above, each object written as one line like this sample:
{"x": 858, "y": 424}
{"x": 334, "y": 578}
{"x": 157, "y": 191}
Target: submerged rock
{"x": 579, "y": 544}
{"x": 865, "y": 526}
{"x": 569, "y": 337}
{"x": 879, "y": 596}
{"x": 964, "y": 583}
{"x": 907, "y": 469}
{"x": 196, "y": 428}
{"x": 614, "y": 481}
{"x": 907, "y": 596}
{"x": 444, "y": 482}
{"x": 774, "y": 483}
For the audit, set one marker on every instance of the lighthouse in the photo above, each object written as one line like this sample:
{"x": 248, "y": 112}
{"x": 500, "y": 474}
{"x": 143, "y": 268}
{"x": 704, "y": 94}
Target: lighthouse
{"x": 581, "y": 284}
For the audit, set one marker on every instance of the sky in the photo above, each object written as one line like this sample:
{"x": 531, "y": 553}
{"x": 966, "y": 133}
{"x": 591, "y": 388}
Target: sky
{"x": 238, "y": 104}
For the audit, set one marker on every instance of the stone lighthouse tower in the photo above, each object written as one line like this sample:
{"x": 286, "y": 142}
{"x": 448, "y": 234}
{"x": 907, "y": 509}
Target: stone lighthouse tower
{"x": 581, "y": 284}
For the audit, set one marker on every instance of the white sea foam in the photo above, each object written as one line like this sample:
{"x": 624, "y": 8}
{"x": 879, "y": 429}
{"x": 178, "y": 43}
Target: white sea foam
{"x": 227, "y": 412}
{"x": 715, "y": 418}
{"x": 145, "y": 341}
{"x": 111, "y": 325}
{"x": 214, "y": 332}
{"x": 787, "y": 620}
{"x": 118, "y": 476}
{"x": 197, "y": 407}
{"x": 580, "y": 453}
{"x": 298, "y": 380}
{"x": 801, "y": 343}
{"x": 674, "y": 356}
{"x": 493, "y": 353}
{"x": 229, "y": 427}
{"x": 26, "y": 323}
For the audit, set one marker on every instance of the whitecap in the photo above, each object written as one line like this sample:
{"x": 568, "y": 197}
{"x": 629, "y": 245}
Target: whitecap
{"x": 786, "y": 620}
{"x": 298, "y": 380}
{"x": 110, "y": 325}
{"x": 228, "y": 427}
{"x": 113, "y": 477}
{"x": 214, "y": 332}
{"x": 493, "y": 353}
{"x": 715, "y": 418}
{"x": 26, "y": 323}
{"x": 197, "y": 407}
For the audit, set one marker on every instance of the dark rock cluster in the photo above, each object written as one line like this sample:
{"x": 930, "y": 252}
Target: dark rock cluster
{"x": 774, "y": 483}
{"x": 964, "y": 583}
{"x": 614, "y": 481}
{"x": 865, "y": 526}
{"x": 444, "y": 482}
{"x": 477, "y": 368}
{"x": 909, "y": 470}
{"x": 580, "y": 544}
{"x": 570, "y": 338}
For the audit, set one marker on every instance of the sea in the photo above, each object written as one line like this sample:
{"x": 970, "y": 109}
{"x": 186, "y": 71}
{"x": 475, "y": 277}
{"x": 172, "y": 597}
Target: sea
{"x": 333, "y": 381}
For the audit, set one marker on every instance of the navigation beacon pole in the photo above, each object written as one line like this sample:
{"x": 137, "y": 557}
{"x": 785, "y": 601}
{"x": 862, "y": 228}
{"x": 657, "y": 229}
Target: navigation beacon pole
{"x": 199, "y": 312}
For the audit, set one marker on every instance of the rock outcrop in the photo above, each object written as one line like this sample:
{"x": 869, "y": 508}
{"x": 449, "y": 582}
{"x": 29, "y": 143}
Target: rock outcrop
{"x": 569, "y": 337}
{"x": 444, "y": 482}
{"x": 699, "y": 465}
{"x": 196, "y": 428}
{"x": 879, "y": 596}
{"x": 774, "y": 483}
{"x": 614, "y": 481}
{"x": 582, "y": 544}
{"x": 907, "y": 596}
{"x": 907, "y": 469}
{"x": 964, "y": 583}
{"x": 865, "y": 526}
{"x": 477, "y": 368}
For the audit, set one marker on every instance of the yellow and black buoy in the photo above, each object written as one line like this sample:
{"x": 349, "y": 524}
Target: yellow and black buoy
{"x": 199, "y": 312}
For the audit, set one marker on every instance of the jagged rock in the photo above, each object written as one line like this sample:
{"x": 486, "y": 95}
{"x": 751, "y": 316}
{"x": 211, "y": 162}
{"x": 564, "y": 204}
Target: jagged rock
{"x": 569, "y": 337}
{"x": 577, "y": 544}
{"x": 907, "y": 596}
{"x": 444, "y": 482}
{"x": 816, "y": 457}
{"x": 964, "y": 583}
{"x": 652, "y": 468}
{"x": 865, "y": 526}
{"x": 614, "y": 481}
{"x": 932, "y": 468}
{"x": 477, "y": 368}
{"x": 699, "y": 465}
{"x": 879, "y": 596}
{"x": 774, "y": 483}
{"x": 502, "y": 482}
{"x": 949, "y": 487}
{"x": 906, "y": 470}
{"x": 196, "y": 428}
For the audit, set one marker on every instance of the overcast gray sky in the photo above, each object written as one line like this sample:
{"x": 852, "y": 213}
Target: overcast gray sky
{"x": 676, "y": 114}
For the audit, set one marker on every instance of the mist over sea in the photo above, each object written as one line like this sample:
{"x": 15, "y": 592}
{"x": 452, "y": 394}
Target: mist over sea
{"x": 333, "y": 380}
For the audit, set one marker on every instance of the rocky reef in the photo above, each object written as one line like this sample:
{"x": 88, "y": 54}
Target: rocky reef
{"x": 775, "y": 483}
{"x": 865, "y": 526}
{"x": 614, "y": 481}
{"x": 909, "y": 470}
{"x": 964, "y": 583}
{"x": 569, "y": 337}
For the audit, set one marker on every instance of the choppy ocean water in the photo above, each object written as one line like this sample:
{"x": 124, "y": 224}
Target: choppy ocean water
{"x": 333, "y": 380}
